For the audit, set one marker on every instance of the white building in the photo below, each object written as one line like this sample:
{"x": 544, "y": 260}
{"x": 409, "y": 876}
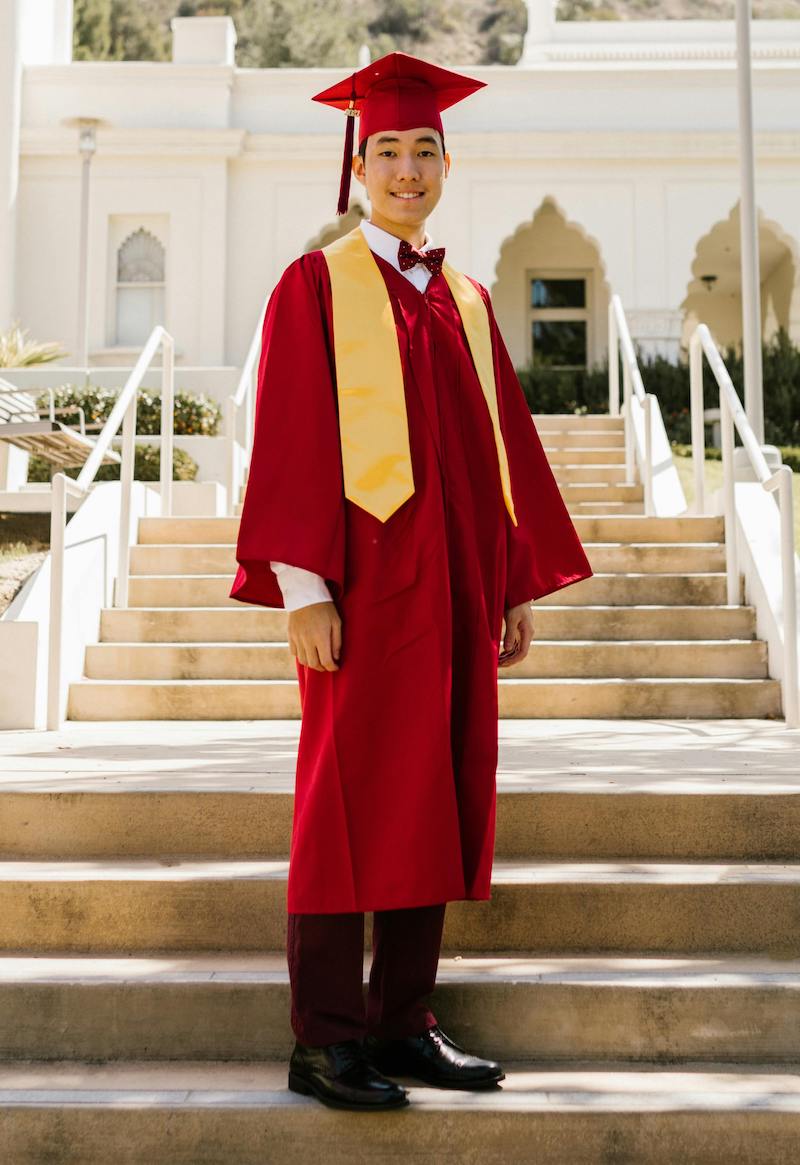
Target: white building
{"x": 605, "y": 160}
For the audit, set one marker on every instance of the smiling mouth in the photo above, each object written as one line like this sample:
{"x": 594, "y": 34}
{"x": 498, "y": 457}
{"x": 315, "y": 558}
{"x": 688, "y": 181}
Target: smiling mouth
{"x": 407, "y": 195}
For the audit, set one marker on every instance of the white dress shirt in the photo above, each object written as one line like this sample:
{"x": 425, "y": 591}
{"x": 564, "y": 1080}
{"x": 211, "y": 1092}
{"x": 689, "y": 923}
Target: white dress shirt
{"x": 301, "y": 587}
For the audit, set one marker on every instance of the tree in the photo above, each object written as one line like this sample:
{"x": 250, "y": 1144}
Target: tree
{"x": 91, "y": 30}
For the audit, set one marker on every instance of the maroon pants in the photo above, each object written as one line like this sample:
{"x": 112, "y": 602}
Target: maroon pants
{"x": 325, "y": 953}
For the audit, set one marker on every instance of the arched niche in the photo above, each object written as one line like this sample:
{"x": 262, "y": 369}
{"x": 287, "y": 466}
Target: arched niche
{"x": 340, "y": 226}
{"x": 139, "y": 290}
{"x": 714, "y": 293}
{"x": 549, "y": 245}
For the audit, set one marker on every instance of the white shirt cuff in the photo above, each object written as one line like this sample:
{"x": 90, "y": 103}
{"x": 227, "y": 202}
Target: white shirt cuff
{"x": 300, "y": 587}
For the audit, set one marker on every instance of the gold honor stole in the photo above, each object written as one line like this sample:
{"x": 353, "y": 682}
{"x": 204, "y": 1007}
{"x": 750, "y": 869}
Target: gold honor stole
{"x": 373, "y": 425}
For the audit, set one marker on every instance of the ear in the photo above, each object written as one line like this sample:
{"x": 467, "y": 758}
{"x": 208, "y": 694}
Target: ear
{"x": 446, "y": 163}
{"x": 358, "y": 169}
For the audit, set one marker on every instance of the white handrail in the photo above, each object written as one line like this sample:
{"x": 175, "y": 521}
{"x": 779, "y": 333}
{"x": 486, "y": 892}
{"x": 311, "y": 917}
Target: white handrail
{"x": 634, "y": 395}
{"x": 123, "y": 413}
{"x": 245, "y": 394}
{"x": 780, "y": 482}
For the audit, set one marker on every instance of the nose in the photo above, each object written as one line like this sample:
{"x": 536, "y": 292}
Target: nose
{"x": 407, "y": 167}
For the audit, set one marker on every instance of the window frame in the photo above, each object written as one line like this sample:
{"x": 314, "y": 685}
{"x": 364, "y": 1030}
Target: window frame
{"x": 582, "y": 314}
{"x": 120, "y": 228}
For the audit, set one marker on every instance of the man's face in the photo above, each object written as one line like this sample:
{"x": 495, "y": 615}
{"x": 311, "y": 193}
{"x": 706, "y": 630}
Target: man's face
{"x": 404, "y": 173}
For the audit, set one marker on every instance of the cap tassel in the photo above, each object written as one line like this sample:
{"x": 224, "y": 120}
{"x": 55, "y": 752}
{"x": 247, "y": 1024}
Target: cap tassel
{"x": 347, "y": 160}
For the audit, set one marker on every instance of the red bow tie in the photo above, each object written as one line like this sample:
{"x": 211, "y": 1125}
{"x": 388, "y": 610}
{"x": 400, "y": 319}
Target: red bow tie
{"x": 408, "y": 256}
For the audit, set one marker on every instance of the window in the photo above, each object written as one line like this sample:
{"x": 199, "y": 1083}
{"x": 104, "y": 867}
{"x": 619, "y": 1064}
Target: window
{"x": 559, "y": 320}
{"x": 139, "y": 288}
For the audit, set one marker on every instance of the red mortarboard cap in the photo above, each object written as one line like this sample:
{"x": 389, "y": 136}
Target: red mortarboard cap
{"x": 397, "y": 91}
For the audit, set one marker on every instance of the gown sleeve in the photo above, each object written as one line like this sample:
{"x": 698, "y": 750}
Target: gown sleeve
{"x": 544, "y": 552}
{"x": 293, "y": 510}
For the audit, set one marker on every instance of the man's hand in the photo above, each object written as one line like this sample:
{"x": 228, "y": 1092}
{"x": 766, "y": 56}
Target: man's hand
{"x": 315, "y": 636}
{"x": 518, "y": 636}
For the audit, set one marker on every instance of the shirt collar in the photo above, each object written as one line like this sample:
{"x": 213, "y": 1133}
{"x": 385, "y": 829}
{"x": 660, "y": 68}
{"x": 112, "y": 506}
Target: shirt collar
{"x": 385, "y": 244}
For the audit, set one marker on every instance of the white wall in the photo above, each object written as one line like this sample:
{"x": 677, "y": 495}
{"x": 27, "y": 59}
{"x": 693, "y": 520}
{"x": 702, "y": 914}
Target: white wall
{"x": 635, "y": 140}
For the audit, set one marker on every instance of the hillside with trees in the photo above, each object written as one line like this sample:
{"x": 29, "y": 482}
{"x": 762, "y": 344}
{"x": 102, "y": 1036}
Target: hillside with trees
{"x": 302, "y": 33}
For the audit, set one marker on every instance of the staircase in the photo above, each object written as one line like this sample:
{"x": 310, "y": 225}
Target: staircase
{"x": 650, "y": 634}
{"x": 637, "y": 969}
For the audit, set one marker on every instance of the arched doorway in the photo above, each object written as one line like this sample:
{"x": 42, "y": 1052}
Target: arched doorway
{"x": 714, "y": 293}
{"x": 551, "y": 294}
{"x": 340, "y": 226}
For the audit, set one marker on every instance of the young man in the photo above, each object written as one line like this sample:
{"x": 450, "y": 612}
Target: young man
{"x": 400, "y": 506}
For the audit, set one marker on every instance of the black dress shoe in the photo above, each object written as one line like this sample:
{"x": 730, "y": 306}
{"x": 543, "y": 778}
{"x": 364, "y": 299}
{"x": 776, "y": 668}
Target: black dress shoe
{"x": 433, "y": 1058}
{"x": 341, "y": 1076}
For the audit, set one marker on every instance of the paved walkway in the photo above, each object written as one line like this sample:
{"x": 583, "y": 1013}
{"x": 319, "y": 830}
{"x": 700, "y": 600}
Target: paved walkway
{"x": 584, "y": 756}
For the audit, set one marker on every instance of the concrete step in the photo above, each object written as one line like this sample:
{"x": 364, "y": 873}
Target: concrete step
{"x": 599, "y": 470}
{"x": 602, "y": 508}
{"x": 611, "y": 588}
{"x": 576, "y": 455}
{"x": 576, "y": 506}
{"x": 601, "y": 492}
{"x": 249, "y": 623}
{"x": 219, "y": 809}
{"x": 553, "y": 438}
{"x": 183, "y": 560}
{"x": 243, "y": 1114}
{"x": 627, "y": 590}
{"x": 633, "y": 528}
{"x": 581, "y": 421}
{"x": 591, "y": 473}
{"x": 251, "y": 661}
{"x": 617, "y": 557}
{"x": 128, "y": 905}
{"x": 518, "y": 698}
{"x": 231, "y": 1006}
{"x": 655, "y": 557}
{"x": 579, "y": 485}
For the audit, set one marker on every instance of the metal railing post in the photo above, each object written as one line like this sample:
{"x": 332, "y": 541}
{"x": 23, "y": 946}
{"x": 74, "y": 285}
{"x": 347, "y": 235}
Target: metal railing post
{"x": 230, "y": 431}
{"x": 791, "y": 701}
{"x": 126, "y": 486}
{"x": 58, "y": 522}
{"x": 167, "y": 421}
{"x": 649, "y": 507}
{"x": 627, "y": 409}
{"x": 729, "y": 503}
{"x": 613, "y": 362}
{"x": 697, "y": 421}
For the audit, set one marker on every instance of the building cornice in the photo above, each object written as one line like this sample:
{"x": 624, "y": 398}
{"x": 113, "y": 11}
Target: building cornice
{"x": 101, "y": 72}
{"x": 647, "y": 54}
{"x": 136, "y": 142}
{"x": 508, "y": 145}
{"x": 527, "y": 145}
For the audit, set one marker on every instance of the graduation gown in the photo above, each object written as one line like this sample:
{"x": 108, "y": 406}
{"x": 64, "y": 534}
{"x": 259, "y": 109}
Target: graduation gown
{"x": 395, "y": 782}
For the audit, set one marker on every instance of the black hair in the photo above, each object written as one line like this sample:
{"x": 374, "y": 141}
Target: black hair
{"x": 362, "y": 149}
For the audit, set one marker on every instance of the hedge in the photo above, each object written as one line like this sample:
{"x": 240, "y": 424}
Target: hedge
{"x": 549, "y": 391}
{"x": 195, "y": 414}
{"x": 146, "y": 466}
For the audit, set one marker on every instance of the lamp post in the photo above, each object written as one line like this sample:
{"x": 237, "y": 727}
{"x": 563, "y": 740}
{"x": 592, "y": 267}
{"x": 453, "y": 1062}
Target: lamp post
{"x": 87, "y": 145}
{"x": 748, "y": 225}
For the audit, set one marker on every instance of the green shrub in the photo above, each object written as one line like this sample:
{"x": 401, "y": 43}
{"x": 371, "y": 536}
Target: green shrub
{"x": 195, "y": 414}
{"x": 146, "y": 466}
{"x": 549, "y": 391}
{"x": 790, "y": 454}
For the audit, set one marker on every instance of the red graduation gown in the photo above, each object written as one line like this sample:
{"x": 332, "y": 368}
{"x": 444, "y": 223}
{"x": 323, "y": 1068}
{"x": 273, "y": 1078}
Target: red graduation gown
{"x": 395, "y": 785}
